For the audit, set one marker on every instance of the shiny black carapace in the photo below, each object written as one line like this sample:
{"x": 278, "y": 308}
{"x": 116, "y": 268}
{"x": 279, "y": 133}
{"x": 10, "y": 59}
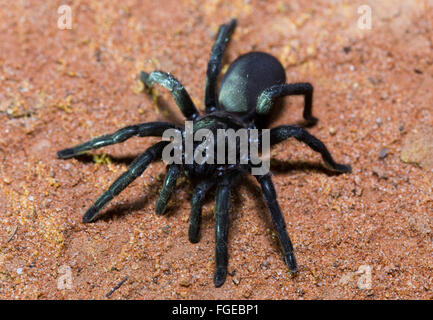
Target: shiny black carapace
{"x": 246, "y": 95}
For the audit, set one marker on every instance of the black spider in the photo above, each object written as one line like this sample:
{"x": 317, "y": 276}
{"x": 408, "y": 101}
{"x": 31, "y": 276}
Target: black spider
{"x": 247, "y": 92}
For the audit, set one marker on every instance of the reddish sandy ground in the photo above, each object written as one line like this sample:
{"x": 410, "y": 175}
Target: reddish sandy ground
{"x": 62, "y": 87}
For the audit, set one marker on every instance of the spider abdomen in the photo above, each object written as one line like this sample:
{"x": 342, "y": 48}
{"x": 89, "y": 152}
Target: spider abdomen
{"x": 246, "y": 78}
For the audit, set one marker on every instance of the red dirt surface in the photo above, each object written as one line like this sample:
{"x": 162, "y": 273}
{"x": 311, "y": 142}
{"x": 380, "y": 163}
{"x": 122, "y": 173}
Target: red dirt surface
{"x": 62, "y": 87}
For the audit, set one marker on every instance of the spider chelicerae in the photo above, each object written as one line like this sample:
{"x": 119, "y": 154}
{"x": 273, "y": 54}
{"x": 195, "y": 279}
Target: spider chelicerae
{"x": 248, "y": 90}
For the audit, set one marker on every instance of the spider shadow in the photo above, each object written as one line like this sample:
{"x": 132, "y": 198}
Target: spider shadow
{"x": 121, "y": 209}
{"x": 165, "y": 108}
{"x": 254, "y": 189}
{"x": 285, "y": 166}
{"x": 254, "y": 192}
{"x": 152, "y": 192}
{"x": 88, "y": 158}
{"x": 153, "y": 188}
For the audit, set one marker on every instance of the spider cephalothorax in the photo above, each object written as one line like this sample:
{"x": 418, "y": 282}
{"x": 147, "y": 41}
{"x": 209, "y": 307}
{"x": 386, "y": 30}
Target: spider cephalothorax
{"x": 247, "y": 92}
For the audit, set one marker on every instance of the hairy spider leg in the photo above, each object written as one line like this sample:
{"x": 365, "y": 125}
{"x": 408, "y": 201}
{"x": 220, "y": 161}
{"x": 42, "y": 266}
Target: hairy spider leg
{"x": 136, "y": 168}
{"x": 214, "y": 65}
{"x": 270, "y": 197}
{"x": 222, "y": 206}
{"x": 167, "y": 188}
{"x": 177, "y": 90}
{"x": 267, "y": 98}
{"x": 196, "y": 209}
{"x": 284, "y": 132}
{"x": 140, "y": 130}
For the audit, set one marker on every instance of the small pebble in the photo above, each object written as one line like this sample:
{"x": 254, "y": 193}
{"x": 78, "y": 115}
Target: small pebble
{"x": 379, "y": 173}
{"x": 247, "y": 293}
{"x": 300, "y": 292}
{"x": 379, "y": 121}
{"x": 166, "y": 229}
{"x": 185, "y": 283}
{"x": 383, "y": 153}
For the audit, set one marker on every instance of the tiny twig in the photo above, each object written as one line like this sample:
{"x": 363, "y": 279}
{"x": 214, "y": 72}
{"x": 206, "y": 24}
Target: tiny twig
{"x": 117, "y": 286}
{"x": 12, "y": 235}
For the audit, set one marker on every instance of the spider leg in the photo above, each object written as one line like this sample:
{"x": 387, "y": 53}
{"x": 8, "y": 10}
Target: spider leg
{"x": 284, "y": 132}
{"x": 196, "y": 209}
{"x": 267, "y": 98}
{"x": 214, "y": 65}
{"x": 270, "y": 196}
{"x": 222, "y": 225}
{"x": 177, "y": 90}
{"x": 140, "y": 130}
{"x": 167, "y": 188}
{"x": 134, "y": 171}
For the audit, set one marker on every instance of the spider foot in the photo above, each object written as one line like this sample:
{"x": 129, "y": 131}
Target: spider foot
{"x": 311, "y": 121}
{"x": 89, "y": 215}
{"x": 66, "y": 153}
{"x": 290, "y": 261}
{"x": 193, "y": 235}
{"x": 342, "y": 168}
{"x": 220, "y": 276}
{"x": 144, "y": 76}
{"x": 337, "y": 167}
{"x": 160, "y": 208}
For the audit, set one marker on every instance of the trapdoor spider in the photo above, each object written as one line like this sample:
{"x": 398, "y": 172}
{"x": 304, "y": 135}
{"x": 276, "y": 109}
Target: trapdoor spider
{"x": 247, "y": 92}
